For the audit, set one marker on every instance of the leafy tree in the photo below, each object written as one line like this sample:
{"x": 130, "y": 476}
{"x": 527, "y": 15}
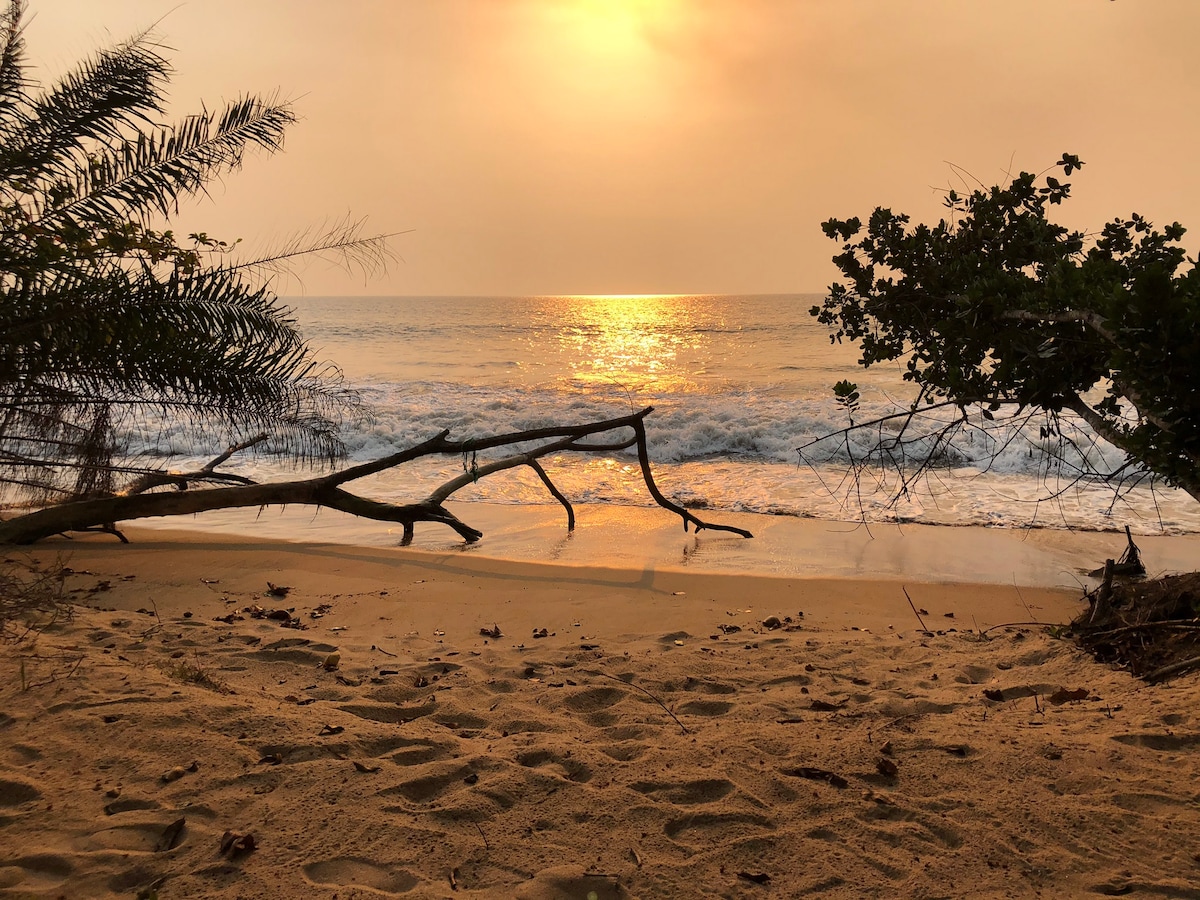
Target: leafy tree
{"x": 997, "y": 308}
{"x": 107, "y": 322}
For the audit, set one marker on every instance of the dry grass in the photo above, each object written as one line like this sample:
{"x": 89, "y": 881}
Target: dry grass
{"x": 193, "y": 672}
{"x": 32, "y": 598}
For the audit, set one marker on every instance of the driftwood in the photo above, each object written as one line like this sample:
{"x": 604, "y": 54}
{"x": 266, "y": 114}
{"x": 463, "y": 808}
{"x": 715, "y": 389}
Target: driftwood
{"x": 138, "y": 501}
{"x": 1151, "y": 628}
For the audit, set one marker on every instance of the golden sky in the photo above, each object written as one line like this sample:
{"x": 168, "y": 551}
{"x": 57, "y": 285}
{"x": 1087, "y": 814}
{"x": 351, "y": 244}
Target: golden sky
{"x": 673, "y": 146}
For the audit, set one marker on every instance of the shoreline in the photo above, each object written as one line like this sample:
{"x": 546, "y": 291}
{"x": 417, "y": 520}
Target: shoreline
{"x": 635, "y": 538}
{"x": 187, "y": 570}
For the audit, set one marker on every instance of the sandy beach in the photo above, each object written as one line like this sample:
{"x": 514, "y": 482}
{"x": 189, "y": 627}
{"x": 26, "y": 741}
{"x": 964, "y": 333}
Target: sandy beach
{"x": 425, "y": 724}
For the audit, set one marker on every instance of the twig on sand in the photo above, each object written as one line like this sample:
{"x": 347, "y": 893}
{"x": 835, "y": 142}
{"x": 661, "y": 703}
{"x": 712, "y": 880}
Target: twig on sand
{"x": 153, "y": 629}
{"x": 486, "y": 847}
{"x": 914, "y": 609}
{"x": 1175, "y": 668}
{"x": 682, "y": 727}
{"x": 1015, "y": 624}
{"x": 74, "y": 662}
{"x": 1170, "y": 624}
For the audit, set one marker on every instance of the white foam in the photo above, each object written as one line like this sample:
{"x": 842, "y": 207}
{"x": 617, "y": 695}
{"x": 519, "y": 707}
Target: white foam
{"x": 738, "y": 384}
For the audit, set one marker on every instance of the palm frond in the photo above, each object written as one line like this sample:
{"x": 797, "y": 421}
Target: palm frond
{"x": 341, "y": 243}
{"x": 119, "y": 89}
{"x": 111, "y": 333}
{"x": 149, "y": 174}
{"x": 13, "y": 85}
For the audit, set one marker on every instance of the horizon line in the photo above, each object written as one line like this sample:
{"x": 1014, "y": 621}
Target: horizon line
{"x": 587, "y": 296}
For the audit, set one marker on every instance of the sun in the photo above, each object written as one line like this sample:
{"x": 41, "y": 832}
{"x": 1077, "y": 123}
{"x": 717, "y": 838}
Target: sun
{"x": 620, "y": 31}
{"x": 611, "y": 60}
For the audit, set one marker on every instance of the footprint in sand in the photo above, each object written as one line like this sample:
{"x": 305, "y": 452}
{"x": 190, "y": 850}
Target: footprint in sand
{"x": 594, "y": 698}
{"x": 14, "y": 793}
{"x": 526, "y": 726}
{"x": 293, "y": 650}
{"x": 939, "y": 829}
{"x": 788, "y": 680}
{"x": 686, "y": 793}
{"x": 975, "y": 675}
{"x": 418, "y": 752}
{"x": 130, "y": 837}
{"x": 628, "y": 732}
{"x": 571, "y": 769}
{"x": 625, "y": 751}
{"x": 389, "y": 715}
{"x": 705, "y": 828}
{"x": 705, "y": 707}
{"x": 571, "y": 881}
{"x": 349, "y": 871}
{"x": 1161, "y": 742}
{"x": 701, "y": 686}
{"x": 130, "y": 804}
{"x": 36, "y": 873}
{"x": 429, "y": 787}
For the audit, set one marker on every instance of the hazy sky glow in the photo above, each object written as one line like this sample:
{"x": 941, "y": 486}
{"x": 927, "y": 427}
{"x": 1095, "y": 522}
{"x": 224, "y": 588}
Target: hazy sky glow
{"x": 643, "y": 146}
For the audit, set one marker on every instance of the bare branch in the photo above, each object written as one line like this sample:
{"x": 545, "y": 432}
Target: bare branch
{"x": 206, "y": 473}
{"x": 1092, "y": 320}
{"x": 326, "y": 490}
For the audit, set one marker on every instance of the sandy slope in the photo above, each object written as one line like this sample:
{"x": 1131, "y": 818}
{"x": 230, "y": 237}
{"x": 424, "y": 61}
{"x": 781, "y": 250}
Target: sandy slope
{"x": 648, "y": 751}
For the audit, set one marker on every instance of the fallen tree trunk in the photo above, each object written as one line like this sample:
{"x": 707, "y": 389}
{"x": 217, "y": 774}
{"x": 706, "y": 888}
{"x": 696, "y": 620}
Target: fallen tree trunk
{"x": 326, "y": 490}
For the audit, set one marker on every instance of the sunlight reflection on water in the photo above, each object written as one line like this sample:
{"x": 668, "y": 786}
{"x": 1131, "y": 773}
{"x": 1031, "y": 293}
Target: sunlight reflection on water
{"x": 629, "y": 339}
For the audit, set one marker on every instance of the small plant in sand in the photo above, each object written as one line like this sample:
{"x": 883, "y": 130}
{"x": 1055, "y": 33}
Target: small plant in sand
{"x": 194, "y": 672}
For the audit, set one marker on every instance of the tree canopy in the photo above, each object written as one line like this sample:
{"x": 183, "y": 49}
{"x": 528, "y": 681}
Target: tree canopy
{"x": 106, "y": 318}
{"x": 998, "y": 307}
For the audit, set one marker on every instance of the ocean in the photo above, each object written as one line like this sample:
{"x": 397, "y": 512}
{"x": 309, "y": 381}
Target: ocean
{"x": 738, "y": 383}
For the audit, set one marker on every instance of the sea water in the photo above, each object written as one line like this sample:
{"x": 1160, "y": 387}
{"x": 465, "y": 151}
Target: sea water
{"x": 738, "y": 384}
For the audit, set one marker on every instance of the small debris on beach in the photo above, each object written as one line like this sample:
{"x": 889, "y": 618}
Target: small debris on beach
{"x": 1062, "y": 695}
{"x": 234, "y": 845}
{"x": 755, "y": 877}
{"x": 815, "y": 774}
{"x": 169, "y": 839}
{"x": 277, "y": 590}
{"x": 825, "y": 706}
{"x": 174, "y": 774}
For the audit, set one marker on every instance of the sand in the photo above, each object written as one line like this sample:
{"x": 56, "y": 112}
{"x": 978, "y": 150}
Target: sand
{"x": 659, "y": 741}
